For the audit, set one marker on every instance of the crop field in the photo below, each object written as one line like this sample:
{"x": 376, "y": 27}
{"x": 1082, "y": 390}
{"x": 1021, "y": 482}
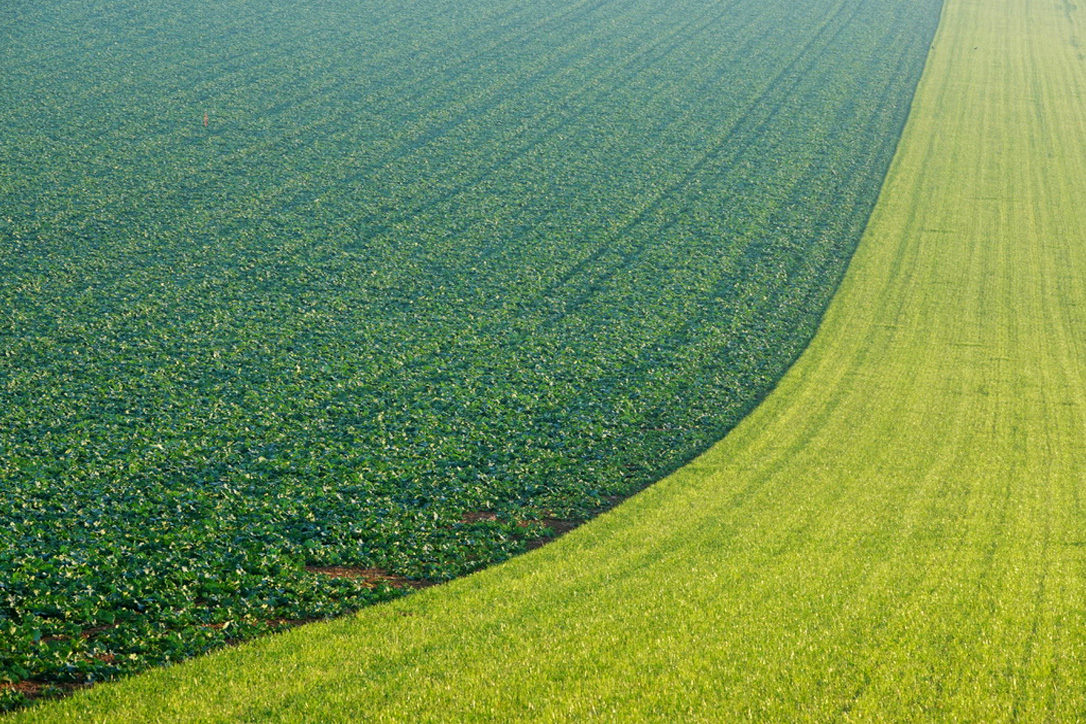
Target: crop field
{"x": 382, "y": 287}
{"x": 895, "y": 534}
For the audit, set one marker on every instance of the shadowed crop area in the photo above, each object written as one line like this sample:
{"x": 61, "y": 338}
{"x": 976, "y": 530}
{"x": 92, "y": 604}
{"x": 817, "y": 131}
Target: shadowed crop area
{"x": 895, "y": 534}
{"x": 305, "y": 303}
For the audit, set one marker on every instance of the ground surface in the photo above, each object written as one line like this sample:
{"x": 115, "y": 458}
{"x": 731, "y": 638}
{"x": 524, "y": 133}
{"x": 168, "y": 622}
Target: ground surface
{"x": 897, "y": 533}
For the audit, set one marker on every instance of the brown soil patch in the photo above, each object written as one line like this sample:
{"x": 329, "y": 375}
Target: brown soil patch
{"x": 26, "y": 688}
{"x": 561, "y": 526}
{"x": 95, "y": 630}
{"x": 371, "y": 577}
{"x": 478, "y": 515}
{"x": 33, "y": 689}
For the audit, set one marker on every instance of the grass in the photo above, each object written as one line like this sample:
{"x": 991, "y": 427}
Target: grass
{"x": 896, "y": 534}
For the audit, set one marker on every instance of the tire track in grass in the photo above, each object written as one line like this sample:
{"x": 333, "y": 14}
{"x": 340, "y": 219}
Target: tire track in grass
{"x": 725, "y": 150}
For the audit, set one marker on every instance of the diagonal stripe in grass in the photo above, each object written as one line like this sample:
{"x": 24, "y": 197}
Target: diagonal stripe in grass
{"x": 897, "y": 533}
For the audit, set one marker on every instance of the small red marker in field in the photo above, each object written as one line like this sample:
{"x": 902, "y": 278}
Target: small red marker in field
{"x": 205, "y": 120}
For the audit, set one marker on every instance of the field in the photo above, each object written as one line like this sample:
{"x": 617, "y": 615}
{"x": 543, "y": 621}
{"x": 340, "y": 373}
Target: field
{"x": 895, "y": 534}
{"x": 386, "y": 286}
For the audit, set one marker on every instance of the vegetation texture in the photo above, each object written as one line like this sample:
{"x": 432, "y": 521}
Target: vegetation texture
{"x": 896, "y": 534}
{"x": 384, "y": 284}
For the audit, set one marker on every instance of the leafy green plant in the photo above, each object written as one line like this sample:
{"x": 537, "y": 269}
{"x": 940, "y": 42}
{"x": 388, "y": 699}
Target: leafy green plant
{"x": 418, "y": 263}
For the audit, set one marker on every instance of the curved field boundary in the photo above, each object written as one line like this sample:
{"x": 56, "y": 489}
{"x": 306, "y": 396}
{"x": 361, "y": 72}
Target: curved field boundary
{"x": 896, "y": 534}
{"x": 390, "y": 287}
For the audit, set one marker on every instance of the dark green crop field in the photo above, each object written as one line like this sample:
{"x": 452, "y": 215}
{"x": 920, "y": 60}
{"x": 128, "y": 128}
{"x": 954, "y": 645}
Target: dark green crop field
{"x": 425, "y": 275}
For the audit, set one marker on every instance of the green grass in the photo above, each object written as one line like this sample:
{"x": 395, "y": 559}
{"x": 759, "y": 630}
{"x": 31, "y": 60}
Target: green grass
{"x": 428, "y": 260}
{"x": 897, "y": 534}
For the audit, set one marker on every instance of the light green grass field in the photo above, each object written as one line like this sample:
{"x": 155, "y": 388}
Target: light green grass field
{"x": 897, "y": 534}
